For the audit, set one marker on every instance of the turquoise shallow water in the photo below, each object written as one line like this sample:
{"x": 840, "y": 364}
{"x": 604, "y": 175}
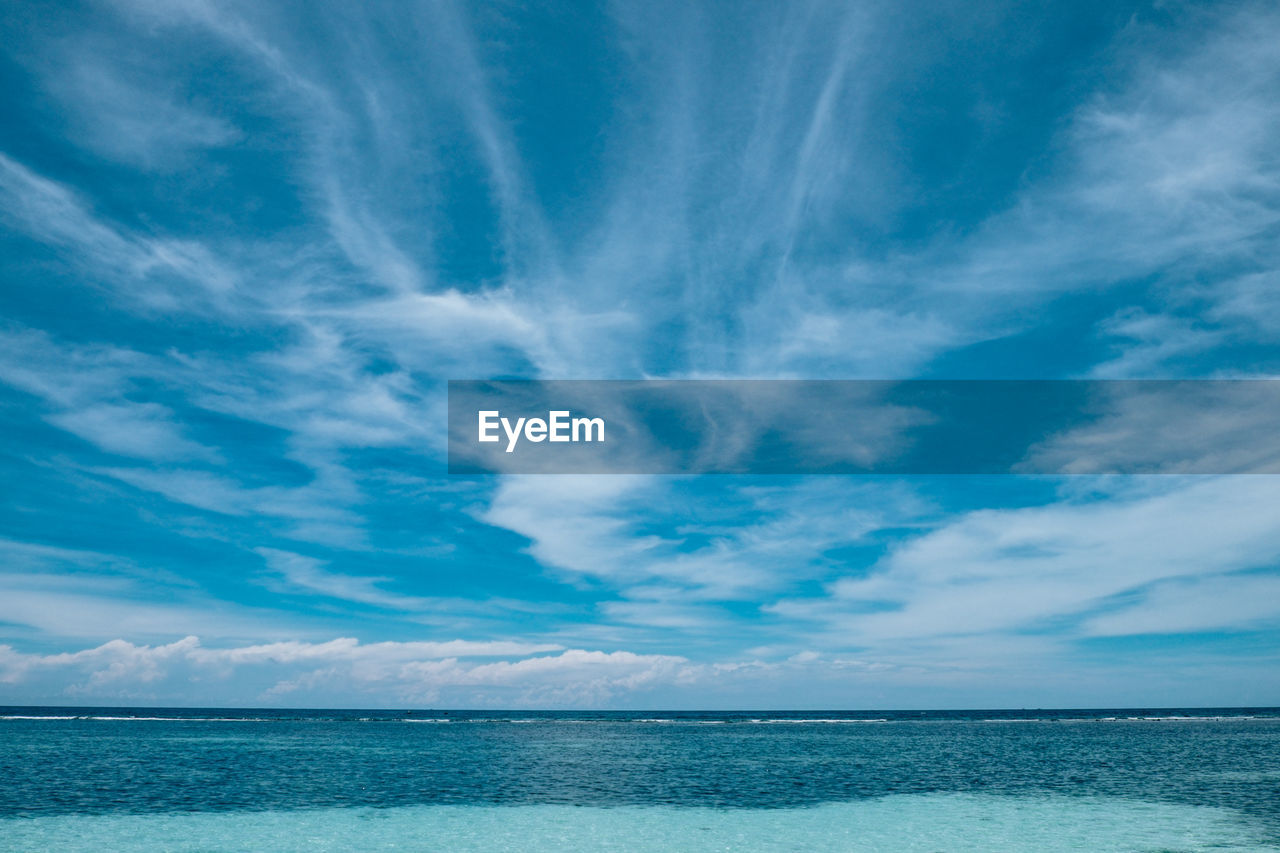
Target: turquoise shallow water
{"x": 908, "y": 822}
{"x": 218, "y": 780}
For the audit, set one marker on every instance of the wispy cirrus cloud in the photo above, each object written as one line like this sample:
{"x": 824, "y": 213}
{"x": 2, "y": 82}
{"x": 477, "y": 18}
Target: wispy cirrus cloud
{"x": 243, "y": 291}
{"x": 309, "y": 574}
{"x": 1047, "y": 568}
{"x": 118, "y": 112}
{"x": 86, "y": 391}
{"x": 155, "y": 271}
{"x": 760, "y": 539}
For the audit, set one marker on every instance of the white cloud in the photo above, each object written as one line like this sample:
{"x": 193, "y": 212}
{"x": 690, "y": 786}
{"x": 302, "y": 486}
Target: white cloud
{"x": 124, "y": 117}
{"x": 155, "y": 272}
{"x": 770, "y": 537}
{"x": 459, "y": 673}
{"x": 1168, "y": 428}
{"x": 87, "y": 389}
{"x": 310, "y": 575}
{"x": 1149, "y": 343}
{"x": 1231, "y": 602}
{"x": 574, "y": 522}
{"x": 142, "y": 430}
{"x": 83, "y": 605}
{"x": 389, "y": 669}
{"x": 994, "y": 571}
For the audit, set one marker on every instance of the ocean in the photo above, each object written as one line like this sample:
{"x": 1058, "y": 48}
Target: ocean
{"x": 126, "y": 779}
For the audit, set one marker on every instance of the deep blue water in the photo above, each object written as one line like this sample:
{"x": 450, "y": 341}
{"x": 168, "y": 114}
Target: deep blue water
{"x": 157, "y": 760}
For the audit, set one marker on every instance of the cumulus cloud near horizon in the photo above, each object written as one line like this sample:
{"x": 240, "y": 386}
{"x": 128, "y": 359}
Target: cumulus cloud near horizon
{"x": 344, "y": 671}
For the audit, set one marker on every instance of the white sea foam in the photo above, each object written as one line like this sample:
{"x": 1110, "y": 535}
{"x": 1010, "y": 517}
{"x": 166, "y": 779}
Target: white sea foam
{"x": 138, "y": 719}
{"x": 1220, "y": 718}
{"x": 425, "y": 720}
{"x": 793, "y": 720}
{"x": 188, "y": 719}
{"x": 907, "y": 823}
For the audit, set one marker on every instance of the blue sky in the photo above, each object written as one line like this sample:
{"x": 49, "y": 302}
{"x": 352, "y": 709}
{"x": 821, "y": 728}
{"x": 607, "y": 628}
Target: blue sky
{"x": 244, "y": 245}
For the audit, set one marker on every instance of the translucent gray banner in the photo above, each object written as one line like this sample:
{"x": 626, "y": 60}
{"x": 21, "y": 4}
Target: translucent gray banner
{"x": 864, "y": 427}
